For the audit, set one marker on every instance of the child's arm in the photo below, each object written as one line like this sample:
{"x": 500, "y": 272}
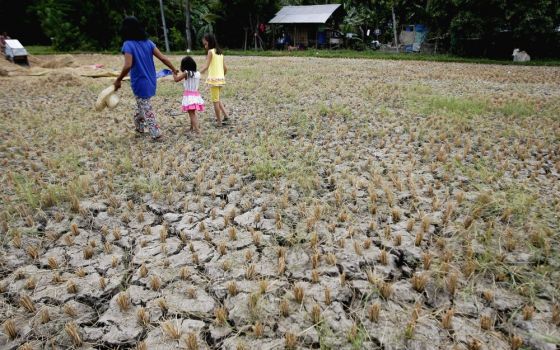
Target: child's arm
{"x": 207, "y": 63}
{"x": 164, "y": 60}
{"x": 225, "y": 68}
{"x": 124, "y": 72}
{"x": 179, "y": 77}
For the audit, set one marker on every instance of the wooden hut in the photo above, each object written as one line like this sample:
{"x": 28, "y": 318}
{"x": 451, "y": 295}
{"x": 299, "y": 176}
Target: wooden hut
{"x": 309, "y": 26}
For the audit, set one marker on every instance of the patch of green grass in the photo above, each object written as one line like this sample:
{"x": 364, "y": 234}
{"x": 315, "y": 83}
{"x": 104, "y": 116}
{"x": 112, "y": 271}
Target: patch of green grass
{"x": 479, "y": 170}
{"x": 518, "y": 109}
{"x": 302, "y": 123}
{"x": 384, "y": 111}
{"x": 420, "y": 89}
{"x": 267, "y": 169}
{"x": 41, "y": 50}
{"x": 468, "y": 112}
{"x": 143, "y": 185}
{"x": 36, "y": 194}
{"x": 26, "y": 190}
{"x": 124, "y": 164}
{"x": 52, "y": 195}
{"x": 548, "y": 338}
{"x": 49, "y": 50}
{"x": 452, "y": 106}
{"x": 68, "y": 161}
{"x": 357, "y": 341}
{"x": 334, "y": 111}
{"x": 274, "y": 156}
{"x": 520, "y": 201}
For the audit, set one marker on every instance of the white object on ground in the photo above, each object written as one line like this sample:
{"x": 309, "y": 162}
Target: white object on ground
{"x": 14, "y": 49}
{"x": 520, "y": 56}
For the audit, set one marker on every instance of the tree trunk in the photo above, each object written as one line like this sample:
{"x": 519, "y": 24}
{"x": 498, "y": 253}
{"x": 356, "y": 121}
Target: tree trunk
{"x": 395, "y": 28}
{"x": 164, "y": 26}
{"x": 188, "y": 25}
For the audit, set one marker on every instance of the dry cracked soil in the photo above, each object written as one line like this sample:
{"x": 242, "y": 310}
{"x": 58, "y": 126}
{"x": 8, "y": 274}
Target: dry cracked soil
{"x": 350, "y": 204}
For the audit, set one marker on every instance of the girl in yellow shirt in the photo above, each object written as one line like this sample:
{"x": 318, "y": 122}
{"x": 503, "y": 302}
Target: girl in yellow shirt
{"x": 216, "y": 75}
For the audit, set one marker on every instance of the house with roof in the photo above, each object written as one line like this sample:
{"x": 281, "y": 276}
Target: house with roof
{"x": 309, "y": 26}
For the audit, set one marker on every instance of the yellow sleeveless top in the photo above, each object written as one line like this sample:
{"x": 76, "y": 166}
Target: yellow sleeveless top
{"x": 216, "y": 75}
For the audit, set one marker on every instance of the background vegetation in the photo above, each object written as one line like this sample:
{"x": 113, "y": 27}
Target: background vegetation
{"x": 483, "y": 28}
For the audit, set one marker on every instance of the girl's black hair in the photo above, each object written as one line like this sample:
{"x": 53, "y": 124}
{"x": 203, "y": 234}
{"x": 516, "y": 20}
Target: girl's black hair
{"x": 132, "y": 29}
{"x": 188, "y": 65}
{"x": 212, "y": 43}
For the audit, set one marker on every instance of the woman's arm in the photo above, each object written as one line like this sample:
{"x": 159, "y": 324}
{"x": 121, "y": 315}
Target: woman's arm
{"x": 179, "y": 77}
{"x": 126, "y": 68}
{"x": 164, "y": 60}
{"x": 207, "y": 63}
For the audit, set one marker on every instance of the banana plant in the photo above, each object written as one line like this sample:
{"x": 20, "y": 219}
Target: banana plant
{"x": 204, "y": 16}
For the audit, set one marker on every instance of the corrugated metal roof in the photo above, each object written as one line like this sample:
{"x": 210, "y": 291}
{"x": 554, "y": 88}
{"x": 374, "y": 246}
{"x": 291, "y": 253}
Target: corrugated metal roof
{"x": 305, "y": 14}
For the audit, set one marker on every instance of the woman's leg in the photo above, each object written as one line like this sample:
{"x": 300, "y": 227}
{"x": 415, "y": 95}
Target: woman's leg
{"x": 149, "y": 116}
{"x": 139, "y": 120}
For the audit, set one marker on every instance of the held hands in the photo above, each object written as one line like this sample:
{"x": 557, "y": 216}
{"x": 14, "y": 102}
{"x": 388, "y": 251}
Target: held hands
{"x": 176, "y": 75}
{"x": 117, "y": 84}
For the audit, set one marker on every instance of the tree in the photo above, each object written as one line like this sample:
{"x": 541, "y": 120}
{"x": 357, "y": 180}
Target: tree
{"x": 465, "y": 27}
{"x": 240, "y": 14}
{"x": 74, "y": 24}
{"x": 55, "y": 17}
{"x": 494, "y": 27}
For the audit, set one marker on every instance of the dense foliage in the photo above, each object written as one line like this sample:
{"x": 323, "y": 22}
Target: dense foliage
{"x": 464, "y": 27}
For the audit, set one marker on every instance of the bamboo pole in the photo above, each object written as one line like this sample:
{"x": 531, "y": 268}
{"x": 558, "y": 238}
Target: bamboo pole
{"x": 188, "y": 25}
{"x": 395, "y": 28}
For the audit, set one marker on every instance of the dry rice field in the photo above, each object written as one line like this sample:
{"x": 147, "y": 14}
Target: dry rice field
{"x": 351, "y": 204}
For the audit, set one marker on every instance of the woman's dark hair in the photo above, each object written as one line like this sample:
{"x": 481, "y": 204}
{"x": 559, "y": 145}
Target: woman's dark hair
{"x": 212, "y": 43}
{"x": 188, "y": 65}
{"x": 132, "y": 29}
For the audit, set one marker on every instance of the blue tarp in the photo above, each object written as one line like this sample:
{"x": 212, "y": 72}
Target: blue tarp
{"x": 163, "y": 73}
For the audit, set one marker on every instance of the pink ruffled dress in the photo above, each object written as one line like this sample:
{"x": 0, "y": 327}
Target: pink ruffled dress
{"x": 192, "y": 101}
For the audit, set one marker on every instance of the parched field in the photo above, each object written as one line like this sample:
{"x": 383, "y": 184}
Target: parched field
{"x": 351, "y": 204}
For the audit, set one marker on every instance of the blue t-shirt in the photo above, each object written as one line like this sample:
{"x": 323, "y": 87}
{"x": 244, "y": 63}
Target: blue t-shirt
{"x": 143, "y": 72}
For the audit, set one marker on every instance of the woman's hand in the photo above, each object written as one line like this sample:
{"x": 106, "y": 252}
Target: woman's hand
{"x": 179, "y": 77}
{"x": 117, "y": 84}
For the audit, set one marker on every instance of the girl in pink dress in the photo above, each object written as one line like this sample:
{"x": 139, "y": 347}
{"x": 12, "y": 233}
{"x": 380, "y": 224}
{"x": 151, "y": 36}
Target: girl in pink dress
{"x": 192, "y": 101}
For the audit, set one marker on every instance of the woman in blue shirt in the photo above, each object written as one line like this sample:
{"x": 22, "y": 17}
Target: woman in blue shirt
{"x": 138, "y": 51}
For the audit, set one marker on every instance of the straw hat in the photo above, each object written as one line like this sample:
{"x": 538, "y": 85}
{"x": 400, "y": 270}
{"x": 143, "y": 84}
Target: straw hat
{"x": 107, "y": 98}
